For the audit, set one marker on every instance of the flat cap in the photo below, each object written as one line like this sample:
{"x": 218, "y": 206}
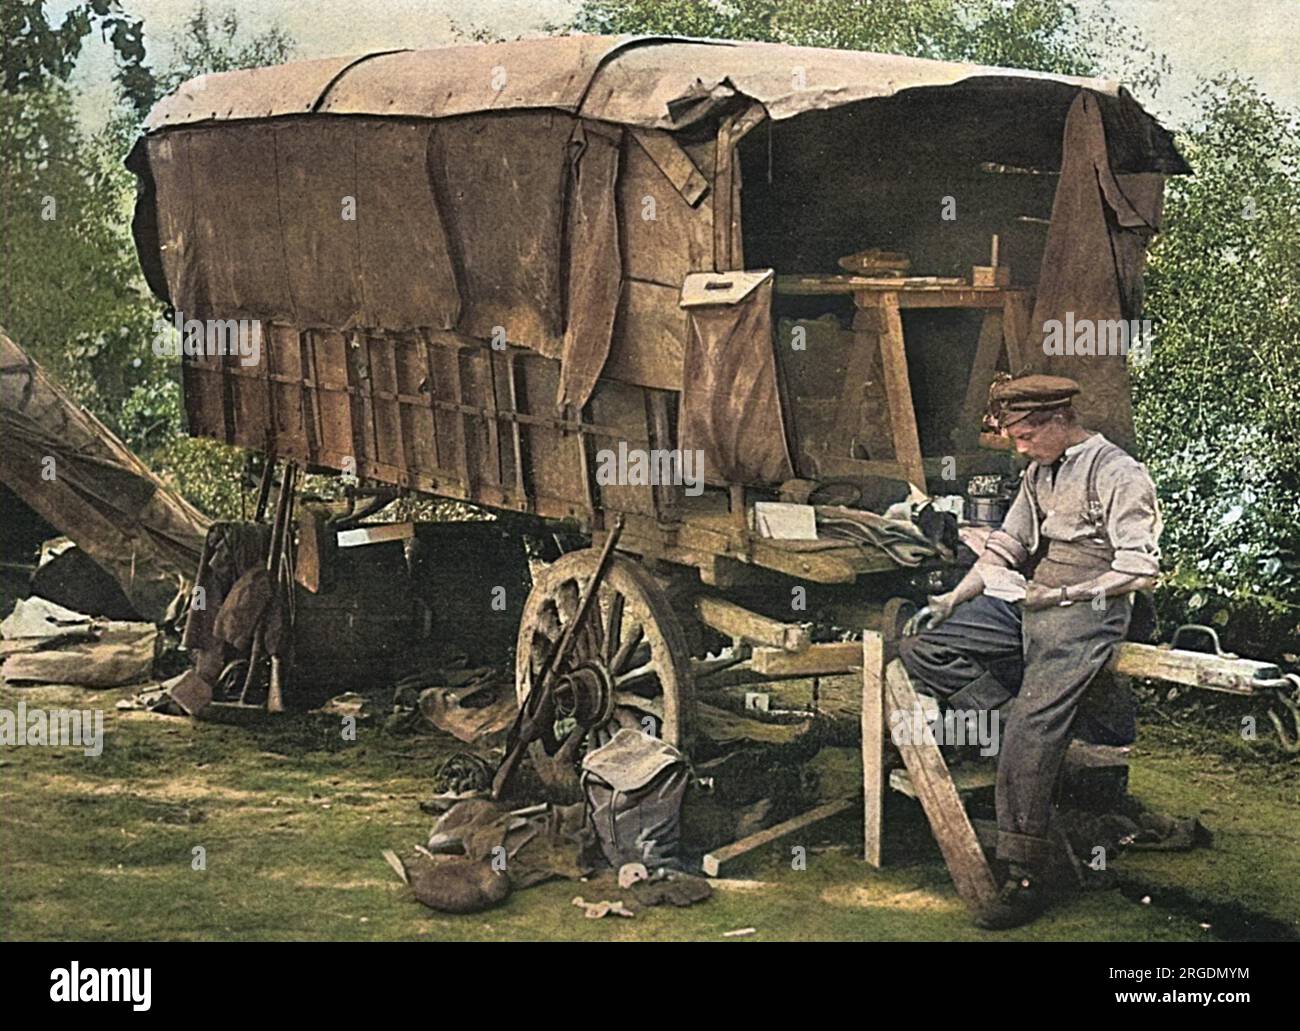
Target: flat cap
{"x": 1010, "y": 400}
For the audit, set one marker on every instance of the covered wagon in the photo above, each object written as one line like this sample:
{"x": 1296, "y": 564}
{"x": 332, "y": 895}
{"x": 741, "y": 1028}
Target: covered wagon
{"x": 664, "y": 281}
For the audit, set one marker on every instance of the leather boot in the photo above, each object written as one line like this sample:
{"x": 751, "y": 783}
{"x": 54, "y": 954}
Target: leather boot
{"x": 1022, "y": 899}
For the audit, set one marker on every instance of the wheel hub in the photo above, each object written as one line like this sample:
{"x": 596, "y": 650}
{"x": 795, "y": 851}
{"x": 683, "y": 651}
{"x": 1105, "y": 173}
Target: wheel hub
{"x": 586, "y": 695}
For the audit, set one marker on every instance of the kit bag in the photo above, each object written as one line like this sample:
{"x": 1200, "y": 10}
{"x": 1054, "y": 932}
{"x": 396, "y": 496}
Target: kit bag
{"x": 634, "y": 787}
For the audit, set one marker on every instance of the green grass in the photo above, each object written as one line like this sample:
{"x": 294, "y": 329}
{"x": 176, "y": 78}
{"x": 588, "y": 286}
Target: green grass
{"x": 292, "y": 820}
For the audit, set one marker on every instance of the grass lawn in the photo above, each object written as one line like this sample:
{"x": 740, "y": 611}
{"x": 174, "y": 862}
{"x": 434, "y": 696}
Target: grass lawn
{"x": 291, "y": 820}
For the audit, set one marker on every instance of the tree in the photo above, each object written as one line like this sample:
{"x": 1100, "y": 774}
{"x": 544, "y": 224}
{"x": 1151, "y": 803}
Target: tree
{"x": 1043, "y": 35}
{"x": 72, "y": 292}
{"x": 1218, "y": 396}
{"x": 37, "y": 51}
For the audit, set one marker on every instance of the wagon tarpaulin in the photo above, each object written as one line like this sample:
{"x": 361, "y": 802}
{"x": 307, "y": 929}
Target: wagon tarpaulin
{"x": 1092, "y": 265}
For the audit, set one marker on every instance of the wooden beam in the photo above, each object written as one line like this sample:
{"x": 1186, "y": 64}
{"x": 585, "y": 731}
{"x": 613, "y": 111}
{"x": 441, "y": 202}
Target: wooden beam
{"x": 859, "y": 418}
{"x": 873, "y": 745}
{"x": 1194, "y": 669}
{"x": 967, "y": 431}
{"x": 674, "y": 163}
{"x": 898, "y": 390}
{"x": 815, "y": 660}
{"x": 731, "y": 619}
{"x": 1015, "y": 333}
{"x": 715, "y": 862}
{"x": 940, "y": 800}
{"x": 725, "y": 216}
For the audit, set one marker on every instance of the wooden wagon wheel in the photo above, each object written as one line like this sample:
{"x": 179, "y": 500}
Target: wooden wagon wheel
{"x": 628, "y": 667}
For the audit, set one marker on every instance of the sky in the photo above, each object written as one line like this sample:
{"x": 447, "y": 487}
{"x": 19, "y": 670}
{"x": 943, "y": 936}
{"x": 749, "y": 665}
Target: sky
{"x": 1257, "y": 38}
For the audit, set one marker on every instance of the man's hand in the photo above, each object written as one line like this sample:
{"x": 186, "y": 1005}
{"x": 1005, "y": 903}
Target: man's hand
{"x": 940, "y": 606}
{"x": 1039, "y": 597}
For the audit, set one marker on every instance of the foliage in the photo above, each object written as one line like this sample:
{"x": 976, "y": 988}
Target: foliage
{"x": 70, "y": 294}
{"x": 1217, "y": 398}
{"x": 73, "y": 295}
{"x": 37, "y": 51}
{"x": 1043, "y": 35}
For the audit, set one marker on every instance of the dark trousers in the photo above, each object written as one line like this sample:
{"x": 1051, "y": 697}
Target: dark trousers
{"x": 1036, "y": 668}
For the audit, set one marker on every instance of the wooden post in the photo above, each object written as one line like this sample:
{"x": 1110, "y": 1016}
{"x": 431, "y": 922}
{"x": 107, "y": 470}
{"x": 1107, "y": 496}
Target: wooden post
{"x": 938, "y": 796}
{"x": 898, "y": 390}
{"x": 1015, "y": 333}
{"x": 873, "y": 744}
{"x": 966, "y": 433}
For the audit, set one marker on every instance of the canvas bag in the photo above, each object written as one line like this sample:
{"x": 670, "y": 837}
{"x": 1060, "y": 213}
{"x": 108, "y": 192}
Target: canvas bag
{"x": 634, "y": 787}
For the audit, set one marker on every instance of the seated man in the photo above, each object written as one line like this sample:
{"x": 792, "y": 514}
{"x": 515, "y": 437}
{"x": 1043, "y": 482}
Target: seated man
{"x": 1083, "y": 530}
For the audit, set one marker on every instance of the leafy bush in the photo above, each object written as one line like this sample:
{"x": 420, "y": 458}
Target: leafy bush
{"x": 1216, "y": 403}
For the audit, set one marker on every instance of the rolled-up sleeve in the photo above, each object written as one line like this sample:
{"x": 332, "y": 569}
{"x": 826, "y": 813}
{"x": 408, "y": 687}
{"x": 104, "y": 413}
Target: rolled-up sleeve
{"x": 1017, "y": 538}
{"x": 1133, "y": 521}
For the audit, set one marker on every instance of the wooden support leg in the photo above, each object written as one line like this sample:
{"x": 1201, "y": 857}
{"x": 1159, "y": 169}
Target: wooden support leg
{"x": 966, "y": 434}
{"x": 898, "y": 389}
{"x": 873, "y": 744}
{"x": 938, "y": 796}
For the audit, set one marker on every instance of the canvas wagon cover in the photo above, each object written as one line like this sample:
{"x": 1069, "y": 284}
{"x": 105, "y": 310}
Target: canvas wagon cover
{"x": 485, "y": 193}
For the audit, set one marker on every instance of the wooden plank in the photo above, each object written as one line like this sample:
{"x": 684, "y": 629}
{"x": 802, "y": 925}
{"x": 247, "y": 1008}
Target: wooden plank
{"x": 847, "y": 284}
{"x": 854, "y": 423}
{"x": 431, "y": 385}
{"x": 939, "y": 798}
{"x": 1015, "y": 333}
{"x": 898, "y": 391}
{"x": 667, "y": 497}
{"x": 310, "y": 399}
{"x": 966, "y": 780}
{"x": 726, "y": 211}
{"x": 966, "y": 432}
{"x": 715, "y": 862}
{"x": 375, "y": 533}
{"x": 522, "y": 476}
{"x": 731, "y": 619}
{"x": 950, "y": 297}
{"x": 488, "y": 391}
{"x": 722, "y": 197}
{"x": 675, "y": 164}
{"x": 1193, "y": 669}
{"x": 873, "y": 745}
{"x": 816, "y": 659}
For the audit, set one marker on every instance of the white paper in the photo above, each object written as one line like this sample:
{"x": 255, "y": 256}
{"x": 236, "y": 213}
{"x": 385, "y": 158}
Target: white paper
{"x": 781, "y": 520}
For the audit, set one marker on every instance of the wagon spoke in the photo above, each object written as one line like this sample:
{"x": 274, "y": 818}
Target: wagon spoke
{"x": 627, "y": 700}
{"x": 623, "y": 656}
{"x": 640, "y": 675}
{"x": 594, "y": 632}
{"x": 614, "y": 626}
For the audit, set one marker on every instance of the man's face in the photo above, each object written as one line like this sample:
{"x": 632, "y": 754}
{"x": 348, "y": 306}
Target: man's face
{"x": 1043, "y": 443}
